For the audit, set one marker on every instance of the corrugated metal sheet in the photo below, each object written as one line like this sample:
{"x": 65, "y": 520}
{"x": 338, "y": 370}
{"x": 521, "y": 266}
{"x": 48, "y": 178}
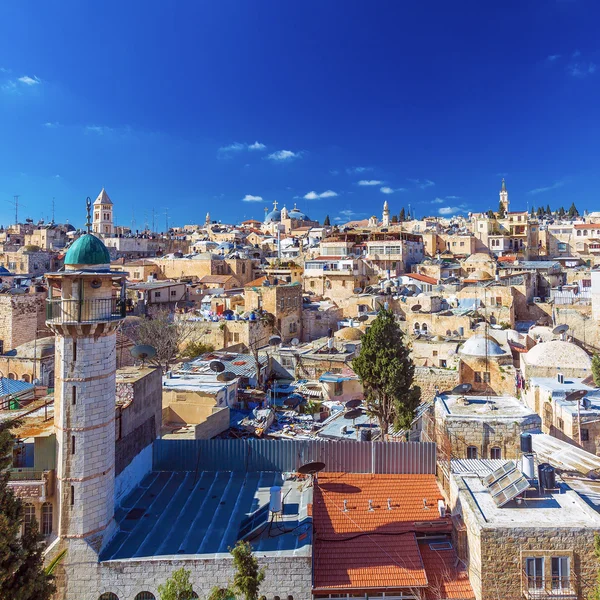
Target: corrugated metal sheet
{"x": 287, "y": 455}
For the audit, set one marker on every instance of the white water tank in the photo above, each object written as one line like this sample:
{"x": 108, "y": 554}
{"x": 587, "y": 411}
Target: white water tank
{"x": 528, "y": 466}
{"x": 275, "y": 502}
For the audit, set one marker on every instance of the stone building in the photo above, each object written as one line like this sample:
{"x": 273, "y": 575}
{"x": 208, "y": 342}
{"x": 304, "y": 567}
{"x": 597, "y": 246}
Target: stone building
{"x": 22, "y": 318}
{"x": 103, "y": 215}
{"x": 30, "y": 361}
{"x": 546, "y": 359}
{"x": 541, "y": 546}
{"x": 29, "y": 260}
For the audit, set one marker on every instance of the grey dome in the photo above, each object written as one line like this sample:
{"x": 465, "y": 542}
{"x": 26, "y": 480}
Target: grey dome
{"x": 481, "y": 346}
{"x": 274, "y": 216}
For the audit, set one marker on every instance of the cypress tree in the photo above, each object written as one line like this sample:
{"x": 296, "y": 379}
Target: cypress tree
{"x": 387, "y": 372}
{"x": 22, "y": 573}
{"x": 394, "y": 219}
{"x": 573, "y": 212}
{"x": 402, "y": 215}
{"x": 326, "y": 222}
{"x": 501, "y": 211}
{"x": 548, "y": 211}
{"x": 247, "y": 577}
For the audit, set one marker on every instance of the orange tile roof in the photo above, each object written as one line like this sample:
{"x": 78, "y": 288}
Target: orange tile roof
{"x": 447, "y": 577}
{"x": 358, "y": 548}
{"x": 423, "y": 278}
{"x": 257, "y": 282}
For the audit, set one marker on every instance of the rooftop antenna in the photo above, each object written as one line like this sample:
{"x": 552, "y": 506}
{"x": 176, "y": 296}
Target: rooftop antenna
{"x": 132, "y": 220}
{"x": 153, "y": 224}
{"x": 53, "y": 209}
{"x": 88, "y": 206}
{"x": 15, "y": 202}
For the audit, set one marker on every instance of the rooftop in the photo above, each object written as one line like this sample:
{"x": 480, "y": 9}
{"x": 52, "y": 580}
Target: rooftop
{"x": 177, "y": 514}
{"x": 484, "y": 407}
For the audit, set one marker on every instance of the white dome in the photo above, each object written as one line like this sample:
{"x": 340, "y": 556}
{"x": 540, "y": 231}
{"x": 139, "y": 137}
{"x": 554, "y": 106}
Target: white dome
{"x": 482, "y": 346}
{"x": 558, "y": 354}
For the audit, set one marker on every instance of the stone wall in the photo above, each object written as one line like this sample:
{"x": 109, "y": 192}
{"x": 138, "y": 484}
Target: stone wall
{"x": 81, "y": 577}
{"x": 427, "y": 378}
{"x": 20, "y": 317}
{"x": 217, "y": 422}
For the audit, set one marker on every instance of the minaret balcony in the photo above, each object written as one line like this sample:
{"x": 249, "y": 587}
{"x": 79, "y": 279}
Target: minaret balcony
{"x": 60, "y": 311}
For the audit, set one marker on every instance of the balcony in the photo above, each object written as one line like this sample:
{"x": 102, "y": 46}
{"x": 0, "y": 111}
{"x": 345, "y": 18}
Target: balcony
{"x": 64, "y": 312}
{"x": 549, "y": 587}
{"x": 28, "y": 483}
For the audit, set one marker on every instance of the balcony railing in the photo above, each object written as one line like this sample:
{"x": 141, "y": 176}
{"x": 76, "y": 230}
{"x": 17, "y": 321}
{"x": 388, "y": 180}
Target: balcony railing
{"x": 60, "y": 311}
{"x": 549, "y": 587}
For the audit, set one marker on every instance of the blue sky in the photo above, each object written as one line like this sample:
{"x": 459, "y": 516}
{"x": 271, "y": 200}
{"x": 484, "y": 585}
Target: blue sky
{"x": 196, "y": 106}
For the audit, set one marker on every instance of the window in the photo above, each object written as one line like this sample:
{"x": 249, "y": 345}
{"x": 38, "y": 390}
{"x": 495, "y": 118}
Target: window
{"x": 561, "y": 579}
{"x": 312, "y": 284}
{"x": 435, "y": 353}
{"x": 46, "y": 528}
{"x": 74, "y": 395}
{"x": 236, "y": 337}
{"x": 28, "y": 515}
{"x": 157, "y": 294}
{"x": 443, "y": 363}
{"x": 495, "y": 453}
{"x": 72, "y": 444}
{"x": 585, "y": 435}
{"x": 72, "y": 495}
{"x": 339, "y": 388}
{"x": 108, "y": 596}
{"x": 477, "y": 377}
{"x": 145, "y": 596}
{"x": 471, "y": 452}
{"x": 25, "y": 378}
{"x": 173, "y": 292}
{"x": 560, "y": 424}
{"x": 486, "y": 377}
{"x": 498, "y": 301}
{"x": 534, "y": 569}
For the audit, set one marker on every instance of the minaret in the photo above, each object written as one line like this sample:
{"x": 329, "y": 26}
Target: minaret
{"x": 207, "y": 220}
{"x": 385, "y": 221}
{"x": 504, "y": 196}
{"x": 103, "y": 215}
{"x": 85, "y": 307}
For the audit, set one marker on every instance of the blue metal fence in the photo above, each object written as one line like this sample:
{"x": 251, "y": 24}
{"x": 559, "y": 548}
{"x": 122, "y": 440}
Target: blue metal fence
{"x": 287, "y": 455}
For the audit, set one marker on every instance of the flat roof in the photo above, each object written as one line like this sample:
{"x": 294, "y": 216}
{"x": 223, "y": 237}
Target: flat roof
{"x": 178, "y": 514}
{"x": 556, "y": 509}
{"x": 133, "y": 374}
{"x": 484, "y": 407}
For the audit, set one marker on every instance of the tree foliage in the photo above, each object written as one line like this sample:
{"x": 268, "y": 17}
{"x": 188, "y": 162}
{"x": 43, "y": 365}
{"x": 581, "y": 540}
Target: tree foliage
{"x": 394, "y": 219}
{"x": 387, "y": 373}
{"x": 596, "y": 369}
{"x": 501, "y": 211}
{"x": 402, "y": 215}
{"x": 326, "y": 222}
{"x": 194, "y": 349}
{"x": 177, "y": 587}
{"x": 573, "y": 212}
{"x": 248, "y": 576}
{"x": 22, "y": 575}
{"x": 165, "y": 334}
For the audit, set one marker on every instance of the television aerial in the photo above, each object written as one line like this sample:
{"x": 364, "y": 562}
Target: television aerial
{"x": 362, "y": 318}
{"x": 143, "y": 352}
{"x": 351, "y": 415}
{"x": 274, "y": 340}
{"x": 295, "y": 342}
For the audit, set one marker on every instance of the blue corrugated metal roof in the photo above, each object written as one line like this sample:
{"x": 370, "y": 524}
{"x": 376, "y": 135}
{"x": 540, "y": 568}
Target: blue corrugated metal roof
{"x": 13, "y": 386}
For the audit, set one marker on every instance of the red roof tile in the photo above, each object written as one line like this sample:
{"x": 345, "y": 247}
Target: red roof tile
{"x": 359, "y": 548}
{"x": 447, "y": 576}
{"x": 423, "y": 278}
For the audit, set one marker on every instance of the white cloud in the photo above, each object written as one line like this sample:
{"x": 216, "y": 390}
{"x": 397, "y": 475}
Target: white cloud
{"x": 334, "y": 172}
{"x": 98, "y": 129}
{"x": 422, "y": 183}
{"x": 57, "y": 177}
{"x": 581, "y": 69}
{"x": 257, "y": 146}
{"x": 438, "y": 201}
{"x": 314, "y": 196}
{"x": 251, "y": 198}
{"x": 553, "y": 57}
{"x": 450, "y": 210}
{"x": 52, "y": 125}
{"x": 4, "y": 70}
{"x": 452, "y": 197}
{"x": 386, "y": 190}
{"x": 354, "y": 170}
{"x": 284, "y": 155}
{"x": 9, "y": 87}
{"x": 370, "y": 182}
{"x": 546, "y": 188}
{"x": 30, "y": 80}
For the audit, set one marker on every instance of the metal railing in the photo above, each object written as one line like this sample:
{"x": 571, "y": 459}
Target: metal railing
{"x": 554, "y": 586}
{"x": 62, "y": 311}
{"x": 25, "y": 474}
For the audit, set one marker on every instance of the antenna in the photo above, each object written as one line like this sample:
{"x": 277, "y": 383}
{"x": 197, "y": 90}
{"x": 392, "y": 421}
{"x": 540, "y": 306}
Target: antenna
{"x": 15, "y": 203}
{"x": 153, "y": 224}
{"x": 53, "y": 209}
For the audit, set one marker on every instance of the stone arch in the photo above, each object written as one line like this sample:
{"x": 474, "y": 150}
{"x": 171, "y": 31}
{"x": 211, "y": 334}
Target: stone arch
{"x": 11, "y": 376}
{"x": 417, "y": 328}
{"x": 145, "y": 596}
{"x": 26, "y": 378}
{"x": 108, "y": 596}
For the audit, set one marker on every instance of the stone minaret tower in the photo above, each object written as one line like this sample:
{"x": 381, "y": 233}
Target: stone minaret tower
{"x": 207, "y": 220}
{"x": 385, "y": 221}
{"x": 84, "y": 309}
{"x": 504, "y": 196}
{"x": 103, "y": 215}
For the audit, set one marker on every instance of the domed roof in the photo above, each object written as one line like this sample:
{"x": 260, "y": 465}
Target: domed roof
{"x": 352, "y": 334}
{"x": 479, "y": 275}
{"x": 297, "y": 214}
{"x": 274, "y": 216}
{"x": 87, "y": 250}
{"x": 482, "y": 346}
{"x": 480, "y": 257}
{"x": 558, "y": 354}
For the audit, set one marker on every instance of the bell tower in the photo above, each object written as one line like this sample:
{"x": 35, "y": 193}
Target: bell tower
{"x": 85, "y": 306}
{"x": 504, "y": 196}
{"x": 385, "y": 221}
{"x": 103, "y": 215}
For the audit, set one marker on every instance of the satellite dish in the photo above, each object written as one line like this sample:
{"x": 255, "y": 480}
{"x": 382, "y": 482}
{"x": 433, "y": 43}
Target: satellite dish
{"x": 357, "y": 290}
{"x": 142, "y": 352}
{"x": 416, "y": 308}
{"x": 576, "y": 395}
{"x": 217, "y": 366}
{"x": 274, "y": 340}
{"x": 463, "y": 388}
{"x": 362, "y": 318}
{"x": 226, "y": 376}
{"x": 295, "y": 342}
{"x": 560, "y": 329}
{"x": 311, "y": 468}
{"x": 353, "y": 403}
{"x": 228, "y": 313}
{"x": 353, "y": 414}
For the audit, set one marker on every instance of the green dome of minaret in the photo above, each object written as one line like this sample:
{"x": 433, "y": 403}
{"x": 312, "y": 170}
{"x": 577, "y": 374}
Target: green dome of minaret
{"x": 88, "y": 249}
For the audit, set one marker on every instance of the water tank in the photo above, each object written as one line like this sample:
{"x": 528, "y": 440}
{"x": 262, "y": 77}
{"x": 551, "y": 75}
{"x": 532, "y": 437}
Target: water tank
{"x": 528, "y": 465}
{"x": 526, "y": 443}
{"x": 461, "y": 331}
{"x": 547, "y": 476}
{"x": 275, "y": 502}
{"x": 365, "y": 434}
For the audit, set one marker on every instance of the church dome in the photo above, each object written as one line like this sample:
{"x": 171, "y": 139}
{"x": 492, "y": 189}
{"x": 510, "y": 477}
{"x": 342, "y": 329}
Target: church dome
{"x": 481, "y": 346}
{"x": 351, "y": 334}
{"x": 298, "y": 215}
{"x": 87, "y": 250}
{"x": 558, "y": 354}
{"x": 274, "y": 216}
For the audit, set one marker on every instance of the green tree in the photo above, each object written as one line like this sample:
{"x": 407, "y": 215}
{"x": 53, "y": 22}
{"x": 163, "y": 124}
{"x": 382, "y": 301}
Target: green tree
{"x": 394, "y": 219}
{"x": 490, "y": 214}
{"x": 195, "y": 349}
{"x": 532, "y": 213}
{"x": 548, "y": 210}
{"x": 573, "y": 212}
{"x": 248, "y": 576}
{"x": 402, "y": 215}
{"x": 387, "y": 374}
{"x": 540, "y": 212}
{"x": 177, "y": 587}
{"x": 561, "y": 212}
{"x": 501, "y": 211}
{"x": 22, "y": 575}
{"x": 326, "y": 222}
{"x": 596, "y": 369}
{"x": 218, "y": 593}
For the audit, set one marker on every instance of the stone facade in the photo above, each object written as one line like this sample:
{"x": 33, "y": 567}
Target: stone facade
{"x": 430, "y": 378}
{"x": 22, "y": 316}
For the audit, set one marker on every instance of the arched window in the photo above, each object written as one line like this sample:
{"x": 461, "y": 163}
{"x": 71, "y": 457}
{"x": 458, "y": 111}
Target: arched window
{"x": 11, "y": 376}
{"x": 25, "y": 378}
{"x": 108, "y": 596}
{"x": 28, "y": 514}
{"x": 46, "y": 528}
{"x": 424, "y": 328}
{"x": 145, "y": 596}
{"x": 417, "y": 328}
